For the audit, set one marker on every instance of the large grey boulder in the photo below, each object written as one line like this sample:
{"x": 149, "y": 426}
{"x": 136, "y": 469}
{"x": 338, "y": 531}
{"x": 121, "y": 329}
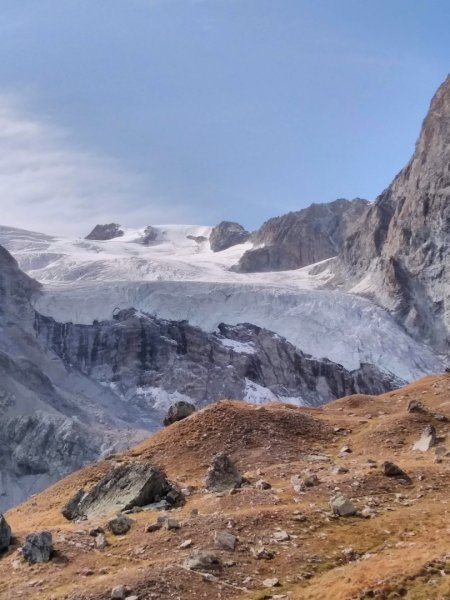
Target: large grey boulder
{"x": 38, "y": 547}
{"x": 179, "y": 411}
{"x": 71, "y": 510}
{"x": 105, "y": 232}
{"x": 5, "y": 534}
{"x": 227, "y": 234}
{"x": 125, "y": 486}
{"x": 222, "y": 474}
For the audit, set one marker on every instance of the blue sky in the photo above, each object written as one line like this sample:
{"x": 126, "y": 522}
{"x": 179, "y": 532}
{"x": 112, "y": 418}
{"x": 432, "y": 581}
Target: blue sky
{"x": 157, "y": 111}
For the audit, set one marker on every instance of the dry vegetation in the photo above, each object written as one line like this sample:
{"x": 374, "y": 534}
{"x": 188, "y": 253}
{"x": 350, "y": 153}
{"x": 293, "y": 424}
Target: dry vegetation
{"x": 402, "y": 552}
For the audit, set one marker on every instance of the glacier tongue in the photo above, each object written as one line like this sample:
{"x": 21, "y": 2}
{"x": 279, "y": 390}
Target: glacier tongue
{"x": 178, "y": 277}
{"x": 344, "y": 328}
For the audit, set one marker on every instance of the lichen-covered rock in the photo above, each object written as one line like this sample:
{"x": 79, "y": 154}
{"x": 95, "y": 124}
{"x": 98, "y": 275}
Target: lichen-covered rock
{"x": 222, "y": 474}
{"x": 124, "y": 487}
{"x": 179, "y": 411}
{"x": 38, "y": 547}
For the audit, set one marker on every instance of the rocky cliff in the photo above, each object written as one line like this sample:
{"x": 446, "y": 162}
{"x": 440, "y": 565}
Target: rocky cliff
{"x": 400, "y": 253}
{"x": 302, "y": 238}
{"x": 47, "y": 410}
{"x": 151, "y": 362}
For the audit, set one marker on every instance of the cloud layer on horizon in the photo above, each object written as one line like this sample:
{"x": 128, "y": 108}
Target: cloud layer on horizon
{"x": 49, "y": 184}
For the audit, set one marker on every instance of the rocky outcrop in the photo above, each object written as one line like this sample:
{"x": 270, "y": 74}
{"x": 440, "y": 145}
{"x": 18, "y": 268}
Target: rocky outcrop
{"x": 302, "y": 238}
{"x": 178, "y": 411}
{"x": 124, "y": 487}
{"x": 150, "y": 236}
{"x": 47, "y": 409}
{"x": 150, "y": 361}
{"x": 227, "y": 234}
{"x": 5, "y": 534}
{"x": 105, "y": 232}
{"x": 400, "y": 254}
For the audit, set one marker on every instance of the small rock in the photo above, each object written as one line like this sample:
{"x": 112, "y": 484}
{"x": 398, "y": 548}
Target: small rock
{"x": 203, "y": 560}
{"x": 271, "y": 583}
{"x": 95, "y": 531}
{"x": 225, "y": 540}
{"x": 339, "y": 470}
{"x": 390, "y": 469}
{"x": 119, "y": 592}
{"x": 119, "y": 525}
{"x": 172, "y": 523}
{"x": 427, "y": 439}
{"x": 185, "y": 544}
{"x": 38, "y": 547}
{"x": 179, "y": 411}
{"x": 262, "y": 553}
{"x": 415, "y": 406}
{"x": 281, "y": 536}
{"x": 342, "y": 506}
{"x": 222, "y": 474}
{"x": 346, "y": 450}
{"x": 101, "y": 542}
{"x": 262, "y": 485}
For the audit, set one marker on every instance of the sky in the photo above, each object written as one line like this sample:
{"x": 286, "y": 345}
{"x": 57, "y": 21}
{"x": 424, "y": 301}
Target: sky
{"x": 196, "y": 111}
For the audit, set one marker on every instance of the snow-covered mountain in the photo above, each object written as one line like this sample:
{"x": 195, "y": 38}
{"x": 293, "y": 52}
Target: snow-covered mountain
{"x": 178, "y": 276}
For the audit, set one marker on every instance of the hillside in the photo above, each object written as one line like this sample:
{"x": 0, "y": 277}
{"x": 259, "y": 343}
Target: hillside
{"x": 399, "y": 550}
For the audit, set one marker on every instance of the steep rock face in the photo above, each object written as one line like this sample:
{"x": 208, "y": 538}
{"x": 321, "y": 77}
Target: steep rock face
{"x": 46, "y": 409}
{"x": 302, "y": 238}
{"x": 400, "y": 254}
{"x": 227, "y": 234}
{"x": 108, "y": 231}
{"x": 152, "y": 362}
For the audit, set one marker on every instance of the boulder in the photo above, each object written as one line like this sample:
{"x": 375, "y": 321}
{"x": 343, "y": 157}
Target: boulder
{"x": 124, "y": 487}
{"x": 416, "y": 406}
{"x": 178, "y": 411}
{"x": 38, "y": 547}
{"x": 227, "y": 234}
{"x": 225, "y": 540}
{"x": 222, "y": 474}
{"x": 427, "y": 439}
{"x": 341, "y": 506}
{"x": 203, "y": 560}
{"x": 71, "y": 509}
{"x": 5, "y": 534}
{"x": 119, "y": 525}
{"x": 390, "y": 469}
{"x": 120, "y": 592}
{"x": 108, "y": 231}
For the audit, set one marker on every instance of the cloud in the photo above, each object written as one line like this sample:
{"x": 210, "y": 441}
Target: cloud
{"x": 49, "y": 184}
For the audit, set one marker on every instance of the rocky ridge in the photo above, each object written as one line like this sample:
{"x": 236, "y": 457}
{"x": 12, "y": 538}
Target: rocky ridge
{"x": 400, "y": 253}
{"x": 302, "y": 238}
